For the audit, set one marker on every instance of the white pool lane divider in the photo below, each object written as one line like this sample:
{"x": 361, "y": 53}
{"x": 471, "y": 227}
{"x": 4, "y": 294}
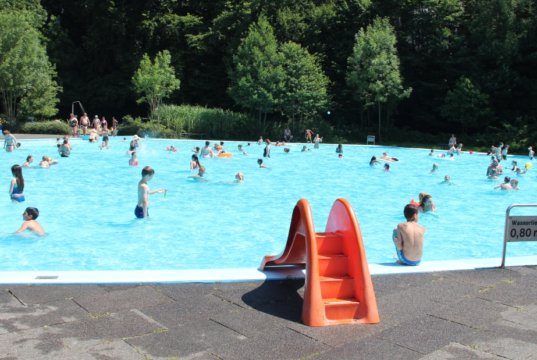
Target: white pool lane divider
{"x": 238, "y": 274}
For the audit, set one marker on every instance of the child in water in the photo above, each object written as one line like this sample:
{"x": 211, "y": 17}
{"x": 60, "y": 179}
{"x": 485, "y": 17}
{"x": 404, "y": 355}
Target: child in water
{"x": 16, "y": 188}
{"x": 133, "y": 161}
{"x": 29, "y": 215}
{"x": 141, "y": 210}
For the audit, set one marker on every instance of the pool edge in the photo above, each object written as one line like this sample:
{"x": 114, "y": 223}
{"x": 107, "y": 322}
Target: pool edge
{"x": 238, "y": 274}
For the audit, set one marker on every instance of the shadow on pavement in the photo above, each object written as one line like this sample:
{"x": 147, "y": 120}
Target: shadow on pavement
{"x": 278, "y": 298}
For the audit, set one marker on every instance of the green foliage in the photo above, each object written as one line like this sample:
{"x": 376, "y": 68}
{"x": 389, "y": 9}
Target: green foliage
{"x": 26, "y": 74}
{"x": 466, "y": 106}
{"x": 305, "y": 87}
{"x": 56, "y": 127}
{"x": 257, "y": 76}
{"x": 154, "y": 81}
{"x": 373, "y": 70}
{"x": 212, "y": 123}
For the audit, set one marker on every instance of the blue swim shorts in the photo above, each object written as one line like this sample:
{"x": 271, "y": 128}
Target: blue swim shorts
{"x": 139, "y": 212}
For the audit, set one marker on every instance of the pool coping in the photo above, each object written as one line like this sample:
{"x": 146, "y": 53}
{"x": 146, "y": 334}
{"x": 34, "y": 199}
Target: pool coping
{"x": 238, "y": 274}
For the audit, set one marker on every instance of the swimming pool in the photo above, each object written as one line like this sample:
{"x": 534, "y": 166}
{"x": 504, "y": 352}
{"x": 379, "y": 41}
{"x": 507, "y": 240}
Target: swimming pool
{"x": 86, "y": 205}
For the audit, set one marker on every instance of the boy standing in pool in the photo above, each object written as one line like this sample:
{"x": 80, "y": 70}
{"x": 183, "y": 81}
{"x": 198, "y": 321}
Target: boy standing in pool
{"x": 141, "y": 210}
{"x": 408, "y": 238}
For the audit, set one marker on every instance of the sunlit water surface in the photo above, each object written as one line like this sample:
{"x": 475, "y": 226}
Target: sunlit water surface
{"x": 86, "y": 204}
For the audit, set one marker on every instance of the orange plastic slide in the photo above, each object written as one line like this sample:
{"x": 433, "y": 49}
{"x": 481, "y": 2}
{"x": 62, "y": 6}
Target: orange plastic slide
{"x": 338, "y": 287}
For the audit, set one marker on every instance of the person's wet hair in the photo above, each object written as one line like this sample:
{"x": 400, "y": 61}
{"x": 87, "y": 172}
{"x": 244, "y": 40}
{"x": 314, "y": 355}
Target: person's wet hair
{"x": 32, "y": 212}
{"x": 409, "y": 211}
{"x": 148, "y": 170}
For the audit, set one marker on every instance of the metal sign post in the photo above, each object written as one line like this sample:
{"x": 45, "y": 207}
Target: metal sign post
{"x": 518, "y": 228}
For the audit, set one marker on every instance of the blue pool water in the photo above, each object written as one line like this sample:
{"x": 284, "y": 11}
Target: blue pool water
{"x": 87, "y": 201}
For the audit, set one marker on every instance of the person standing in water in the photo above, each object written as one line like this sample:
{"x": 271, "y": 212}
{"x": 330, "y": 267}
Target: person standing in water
{"x": 16, "y": 189}
{"x": 141, "y": 210}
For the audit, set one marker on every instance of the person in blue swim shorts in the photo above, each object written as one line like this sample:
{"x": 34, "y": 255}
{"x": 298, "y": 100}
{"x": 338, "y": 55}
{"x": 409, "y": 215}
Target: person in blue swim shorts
{"x": 141, "y": 210}
{"x": 408, "y": 237}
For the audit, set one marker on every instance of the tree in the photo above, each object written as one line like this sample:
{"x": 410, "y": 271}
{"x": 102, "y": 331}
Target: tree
{"x": 305, "y": 86}
{"x": 373, "y": 68}
{"x": 26, "y": 74}
{"x": 466, "y": 106}
{"x": 154, "y": 81}
{"x": 258, "y": 75}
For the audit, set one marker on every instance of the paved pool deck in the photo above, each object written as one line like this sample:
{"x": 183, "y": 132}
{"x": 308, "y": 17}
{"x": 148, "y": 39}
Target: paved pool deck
{"x": 485, "y": 314}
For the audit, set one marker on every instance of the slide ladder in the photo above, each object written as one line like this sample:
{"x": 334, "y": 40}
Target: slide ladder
{"x": 338, "y": 287}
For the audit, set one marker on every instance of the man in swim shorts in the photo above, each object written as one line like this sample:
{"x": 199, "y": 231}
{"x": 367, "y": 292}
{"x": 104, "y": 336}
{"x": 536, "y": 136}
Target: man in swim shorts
{"x": 29, "y": 215}
{"x": 141, "y": 210}
{"x": 408, "y": 238}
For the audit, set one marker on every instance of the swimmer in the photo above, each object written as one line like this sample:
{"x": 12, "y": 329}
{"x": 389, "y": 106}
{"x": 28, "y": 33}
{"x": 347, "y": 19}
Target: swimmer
{"x": 339, "y": 149}
{"x": 387, "y": 157}
{"x": 206, "y": 151}
{"x": 133, "y": 161}
{"x": 373, "y": 161}
{"x": 506, "y": 185}
{"x": 28, "y": 162}
{"x": 260, "y": 163}
{"x": 171, "y": 148}
{"x": 46, "y": 161}
{"x": 286, "y": 150}
{"x": 317, "y": 140}
{"x": 260, "y": 141}
{"x": 266, "y": 151}
{"x": 435, "y": 167}
{"x": 65, "y": 149}
{"x": 29, "y": 216}
{"x": 426, "y": 203}
{"x": 386, "y": 167}
{"x": 408, "y": 238}
{"x": 196, "y": 150}
{"x": 431, "y": 153}
{"x": 514, "y": 184}
{"x": 93, "y": 136}
{"x": 141, "y": 210}
{"x": 106, "y": 139}
{"x": 16, "y": 187}
{"x": 194, "y": 162}
{"x": 447, "y": 180}
{"x": 340, "y": 156}
{"x": 10, "y": 142}
{"x": 239, "y": 178}
{"x": 241, "y": 149}
{"x": 515, "y": 167}
{"x": 531, "y": 153}
{"x": 305, "y": 148}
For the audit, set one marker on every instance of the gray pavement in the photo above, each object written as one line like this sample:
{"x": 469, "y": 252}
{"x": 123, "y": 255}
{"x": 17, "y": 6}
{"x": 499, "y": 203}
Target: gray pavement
{"x": 483, "y": 314}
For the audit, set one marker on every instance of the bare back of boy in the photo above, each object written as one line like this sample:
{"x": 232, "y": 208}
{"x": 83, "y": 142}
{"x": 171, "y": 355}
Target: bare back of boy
{"x": 410, "y": 239}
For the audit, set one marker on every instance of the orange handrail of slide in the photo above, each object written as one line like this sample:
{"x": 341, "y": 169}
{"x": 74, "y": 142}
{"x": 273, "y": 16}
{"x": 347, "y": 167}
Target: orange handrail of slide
{"x": 338, "y": 287}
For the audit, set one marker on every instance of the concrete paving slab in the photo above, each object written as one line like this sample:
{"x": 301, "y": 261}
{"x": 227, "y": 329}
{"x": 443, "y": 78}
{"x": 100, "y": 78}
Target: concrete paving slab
{"x": 281, "y": 343}
{"x": 123, "y": 299}
{"x": 182, "y": 313}
{"x": 41, "y": 294}
{"x": 459, "y": 351}
{"x": 183, "y": 342}
{"x": 425, "y": 334}
{"x": 522, "y": 317}
{"x": 112, "y": 326}
{"x": 509, "y": 348}
{"x": 371, "y": 348}
{"x": 37, "y": 315}
{"x": 472, "y": 312}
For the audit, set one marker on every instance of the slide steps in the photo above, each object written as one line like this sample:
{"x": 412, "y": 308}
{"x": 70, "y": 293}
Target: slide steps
{"x": 338, "y": 287}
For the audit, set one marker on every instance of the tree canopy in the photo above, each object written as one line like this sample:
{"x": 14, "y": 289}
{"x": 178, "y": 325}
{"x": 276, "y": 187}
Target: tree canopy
{"x": 96, "y": 46}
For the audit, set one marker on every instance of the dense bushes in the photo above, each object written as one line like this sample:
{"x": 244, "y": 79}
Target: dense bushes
{"x": 55, "y": 127}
